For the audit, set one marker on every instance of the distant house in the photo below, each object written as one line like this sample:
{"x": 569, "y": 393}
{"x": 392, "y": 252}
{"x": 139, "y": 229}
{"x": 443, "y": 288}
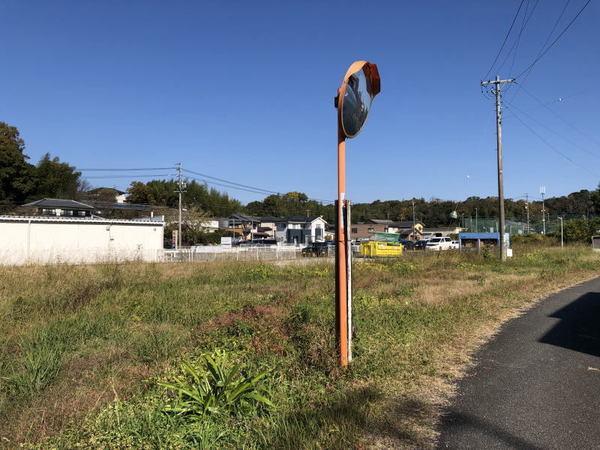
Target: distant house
{"x": 300, "y": 229}
{"x": 372, "y": 226}
{"x": 105, "y": 194}
{"x": 59, "y": 208}
{"x": 288, "y": 230}
{"x": 408, "y": 229}
{"x": 210, "y": 225}
{"x": 243, "y": 226}
{"x": 366, "y": 229}
{"x": 442, "y": 232}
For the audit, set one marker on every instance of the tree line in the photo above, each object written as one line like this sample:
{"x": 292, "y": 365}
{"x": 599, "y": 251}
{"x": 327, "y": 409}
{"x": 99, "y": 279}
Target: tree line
{"x": 21, "y": 181}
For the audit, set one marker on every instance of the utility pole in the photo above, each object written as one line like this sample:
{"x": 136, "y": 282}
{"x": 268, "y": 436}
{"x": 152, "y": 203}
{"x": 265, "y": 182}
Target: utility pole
{"x": 414, "y": 221}
{"x": 527, "y": 209}
{"x": 497, "y": 91}
{"x": 543, "y": 193}
{"x": 562, "y": 240}
{"x": 180, "y": 190}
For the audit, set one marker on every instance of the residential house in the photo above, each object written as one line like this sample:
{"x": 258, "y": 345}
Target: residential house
{"x": 288, "y": 230}
{"x": 59, "y": 208}
{"x": 106, "y": 195}
{"x": 442, "y": 232}
{"x": 406, "y": 229}
{"x": 243, "y": 226}
{"x": 366, "y": 229}
{"x": 301, "y": 230}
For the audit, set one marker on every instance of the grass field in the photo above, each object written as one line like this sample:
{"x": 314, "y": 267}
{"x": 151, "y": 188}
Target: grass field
{"x": 87, "y": 353}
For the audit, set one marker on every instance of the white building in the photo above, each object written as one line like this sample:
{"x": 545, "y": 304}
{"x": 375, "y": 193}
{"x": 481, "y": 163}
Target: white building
{"x": 47, "y": 240}
{"x": 301, "y": 230}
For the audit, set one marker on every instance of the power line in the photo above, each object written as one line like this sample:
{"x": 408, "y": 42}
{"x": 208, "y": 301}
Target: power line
{"x": 561, "y": 118}
{"x": 514, "y": 49}
{"x": 205, "y": 178}
{"x": 214, "y": 183}
{"x": 559, "y": 18}
{"x": 547, "y": 49}
{"x": 551, "y": 130}
{"x": 505, "y": 39}
{"x": 549, "y": 145}
{"x": 233, "y": 183}
{"x": 130, "y": 176}
{"x": 126, "y": 170}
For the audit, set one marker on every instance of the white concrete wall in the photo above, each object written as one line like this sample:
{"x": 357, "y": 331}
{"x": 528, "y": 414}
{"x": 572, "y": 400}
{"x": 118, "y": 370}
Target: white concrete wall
{"x": 78, "y": 241}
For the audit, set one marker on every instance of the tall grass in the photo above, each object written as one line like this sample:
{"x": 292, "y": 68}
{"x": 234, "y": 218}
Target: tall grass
{"x": 85, "y": 352}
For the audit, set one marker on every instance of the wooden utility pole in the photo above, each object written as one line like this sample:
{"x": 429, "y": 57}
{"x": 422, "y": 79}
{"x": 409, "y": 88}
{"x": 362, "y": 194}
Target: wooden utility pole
{"x": 497, "y": 91}
{"x": 180, "y": 191}
{"x": 527, "y": 210}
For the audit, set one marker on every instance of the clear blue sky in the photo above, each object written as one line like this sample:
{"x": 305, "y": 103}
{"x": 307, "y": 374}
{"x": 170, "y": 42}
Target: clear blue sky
{"x": 244, "y": 90}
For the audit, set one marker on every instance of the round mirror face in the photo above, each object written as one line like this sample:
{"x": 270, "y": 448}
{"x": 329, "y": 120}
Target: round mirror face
{"x": 355, "y": 104}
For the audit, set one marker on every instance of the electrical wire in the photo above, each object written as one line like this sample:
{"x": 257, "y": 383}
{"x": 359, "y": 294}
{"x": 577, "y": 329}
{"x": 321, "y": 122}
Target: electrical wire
{"x": 214, "y": 183}
{"x": 556, "y": 22}
{"x": 130, "y": 176}
{"x": 551, "y": 130}
{"x": 505, "y": 39}
{"x": 233, "y": 183}
{"x": 562, "y": 119}
{"x": 547, "y": 49}
{"x": 552, "y": 147}
{"x": 127, "y": 170}
{"x": 205, "y": 178}
{"x": 527, "y": 15}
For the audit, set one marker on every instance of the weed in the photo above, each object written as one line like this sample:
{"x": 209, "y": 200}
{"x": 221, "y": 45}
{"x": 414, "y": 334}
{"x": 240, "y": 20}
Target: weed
{"x": 213, "y": 388}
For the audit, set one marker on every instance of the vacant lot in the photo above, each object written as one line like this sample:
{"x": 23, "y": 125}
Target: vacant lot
{"x": 84, "y": 350}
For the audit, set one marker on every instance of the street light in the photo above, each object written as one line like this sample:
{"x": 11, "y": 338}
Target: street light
{"x": 353, "y": 102}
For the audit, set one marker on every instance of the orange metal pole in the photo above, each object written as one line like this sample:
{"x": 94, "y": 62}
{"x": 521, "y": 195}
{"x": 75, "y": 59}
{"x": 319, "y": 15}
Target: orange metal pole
{"x": 340, "y": 254}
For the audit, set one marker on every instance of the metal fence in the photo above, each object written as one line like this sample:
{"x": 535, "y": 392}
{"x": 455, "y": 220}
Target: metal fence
{"x": 216, "y": 253}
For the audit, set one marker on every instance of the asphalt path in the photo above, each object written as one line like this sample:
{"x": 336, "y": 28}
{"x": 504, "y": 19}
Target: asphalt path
{"x": 537, "y": 384}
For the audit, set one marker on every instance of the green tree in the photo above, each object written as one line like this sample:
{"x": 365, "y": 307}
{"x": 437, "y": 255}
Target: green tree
{"x": 16, "y": 174}
{"x": 56, "y": 179}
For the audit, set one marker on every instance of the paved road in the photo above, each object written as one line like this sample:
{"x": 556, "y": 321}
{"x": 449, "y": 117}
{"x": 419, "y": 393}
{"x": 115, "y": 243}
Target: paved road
{"x": 537, "y": 384}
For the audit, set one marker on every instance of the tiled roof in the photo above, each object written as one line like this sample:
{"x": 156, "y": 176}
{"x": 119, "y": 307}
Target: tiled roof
{"x": 58, "y": 203}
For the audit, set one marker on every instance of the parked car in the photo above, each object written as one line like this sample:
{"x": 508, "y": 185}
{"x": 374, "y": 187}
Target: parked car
{"x": 439, "y": 243}
{"x": 319, "y": 249}
{"x": 455, "y": 245}
{"x": 420, "y": 245}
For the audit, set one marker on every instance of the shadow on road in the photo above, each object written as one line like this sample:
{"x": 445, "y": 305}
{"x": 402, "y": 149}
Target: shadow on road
{"x": 470, "y": 425}
{"x": 579, "y": 326}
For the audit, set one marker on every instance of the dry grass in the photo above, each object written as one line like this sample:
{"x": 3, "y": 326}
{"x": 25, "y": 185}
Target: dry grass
{"x": 110, "y": 331}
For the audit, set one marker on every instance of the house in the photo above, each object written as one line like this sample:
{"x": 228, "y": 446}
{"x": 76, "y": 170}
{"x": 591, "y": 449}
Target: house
{"x": 367, "y": 229}
{"x": 105, "y": 194}
{"x": 59, "y": 208}
{"x": 442, "y": 232}
{"x": 406, "y": 229}
{"x": 288, "y": 230}
{"x": 268, "y": 227}
{"x": 210, "y": 225}
{"x": 243, "y": 226}
{"x": 64, "y": 238}
{"x": 301, "y": 230}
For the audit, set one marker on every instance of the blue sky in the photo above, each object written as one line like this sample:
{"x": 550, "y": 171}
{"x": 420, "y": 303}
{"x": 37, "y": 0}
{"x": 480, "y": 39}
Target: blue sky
{"x": 244, "y": 91}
